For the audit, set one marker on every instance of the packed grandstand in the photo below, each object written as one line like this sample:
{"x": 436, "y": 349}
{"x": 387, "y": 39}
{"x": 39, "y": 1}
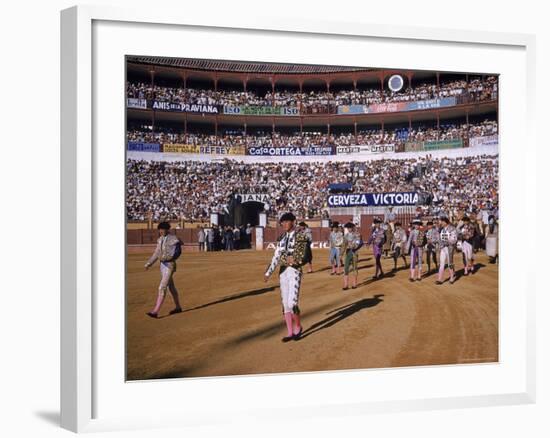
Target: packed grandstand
{"x": 447, "y": 131}
{"x": 475, "y": 90}
{"x": 194, "y": 189}
{"x": 192, "y": 123}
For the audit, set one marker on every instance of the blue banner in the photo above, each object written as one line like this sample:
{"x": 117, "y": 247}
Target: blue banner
{"x": 290, "y": 151}
{"x": 143, "y": 147}
{"x": 393, "y": 107}
{"x": 373, "y": 199}
{"x": 352, "y": 109}
{"x": 432, "y": 103}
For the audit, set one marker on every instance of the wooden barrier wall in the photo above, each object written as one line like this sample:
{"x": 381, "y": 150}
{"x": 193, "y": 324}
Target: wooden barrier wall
{"x": 147, "y": 237}
{"x": 189, "y": 236}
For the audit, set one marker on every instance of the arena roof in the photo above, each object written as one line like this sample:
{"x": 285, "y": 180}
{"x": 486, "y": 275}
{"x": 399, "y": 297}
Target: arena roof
{"x": 242, "y": 66}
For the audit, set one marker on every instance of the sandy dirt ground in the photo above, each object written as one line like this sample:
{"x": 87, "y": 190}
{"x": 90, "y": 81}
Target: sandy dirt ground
{"x": 232, "y": 322}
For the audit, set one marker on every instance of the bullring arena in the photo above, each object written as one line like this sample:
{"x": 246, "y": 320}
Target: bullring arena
{"x": 227, "y": 147}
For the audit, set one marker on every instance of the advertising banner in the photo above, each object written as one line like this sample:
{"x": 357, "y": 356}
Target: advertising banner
{"x": 186, "y": 107}
{"x": 143, "y": 147}
{"x": 261, "y": 110}
{"x": 380, "y": 148}
{"x": 486, "y": 140}
{"x": 373, "y": 199}
{"x": 315, "y": 244}
{"x": 416, "y": 146}
{"x": 391, "y": 107}
{"x": 289, "y": 111}
{"x": 443, "y": 144}
{"x": 353, "y": 149}
{"x": 254, "y": 197}
{"x": 431, "y": 103}
{"x": 222, "y": 150}
{"x": 180, "y": 148}
{"x": 291, "y": 151}
{"x": 352, "y": 109}
{"x": 203, "y": 149}
{"x": 136, "y": 103}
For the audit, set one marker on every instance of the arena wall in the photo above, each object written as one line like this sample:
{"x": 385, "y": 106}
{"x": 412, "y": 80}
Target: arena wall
{"x": 139, "y": 240}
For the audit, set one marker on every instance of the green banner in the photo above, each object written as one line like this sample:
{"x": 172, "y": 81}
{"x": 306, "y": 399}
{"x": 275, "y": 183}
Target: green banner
{"x": 261, "y": 110}
{"x": 443, "y": 144}
{"x": 416, "y": 146}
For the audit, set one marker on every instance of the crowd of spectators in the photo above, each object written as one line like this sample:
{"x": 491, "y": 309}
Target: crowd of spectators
{"x": 218, "y": 238}
{"x": 192, "y": 190}
{"x": 475, "y": 89}
{"x": 446, "y": 131}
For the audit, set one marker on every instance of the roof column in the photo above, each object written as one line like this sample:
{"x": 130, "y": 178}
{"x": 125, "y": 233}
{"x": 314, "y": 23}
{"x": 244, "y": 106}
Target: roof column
{"x": 152, "y": 74}
{"x": 301, "y": 83}
{"x": 409, "y": 78}
{"x": 184, "y": 80}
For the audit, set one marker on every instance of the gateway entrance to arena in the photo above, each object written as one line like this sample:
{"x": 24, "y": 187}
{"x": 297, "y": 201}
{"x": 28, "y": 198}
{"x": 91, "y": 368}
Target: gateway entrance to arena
{"x": 250, "y": 212}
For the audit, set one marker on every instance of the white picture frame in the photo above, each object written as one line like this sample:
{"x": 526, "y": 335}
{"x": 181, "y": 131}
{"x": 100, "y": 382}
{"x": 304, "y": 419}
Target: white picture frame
{"x": 80, "y": 370}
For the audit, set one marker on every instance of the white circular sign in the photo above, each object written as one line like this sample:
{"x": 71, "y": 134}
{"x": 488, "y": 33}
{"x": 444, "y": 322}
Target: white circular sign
{"x": 395, "y": 83}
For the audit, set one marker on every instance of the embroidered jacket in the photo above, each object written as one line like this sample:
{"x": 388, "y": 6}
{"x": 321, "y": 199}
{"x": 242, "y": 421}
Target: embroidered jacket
{"x": 417, "y": 239}
{"x": 336, "y": 239}
{"x": 167, "y": 250}
{"x": 399, "y": 237}
{"x": 448, "y": 236}
{"x": 352, "y": 242}
{"x": 293, "y": 244}
{"x": 467, "y": 232}
{"x": 378, "y": 237}
{"x": 432, "y": 236}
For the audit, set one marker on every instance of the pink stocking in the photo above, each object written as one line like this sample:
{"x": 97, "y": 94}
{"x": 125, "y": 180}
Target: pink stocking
{"x": 296, "y": 321}
{"x": 160, "y": 300}
{"x": 288, "y": 320}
